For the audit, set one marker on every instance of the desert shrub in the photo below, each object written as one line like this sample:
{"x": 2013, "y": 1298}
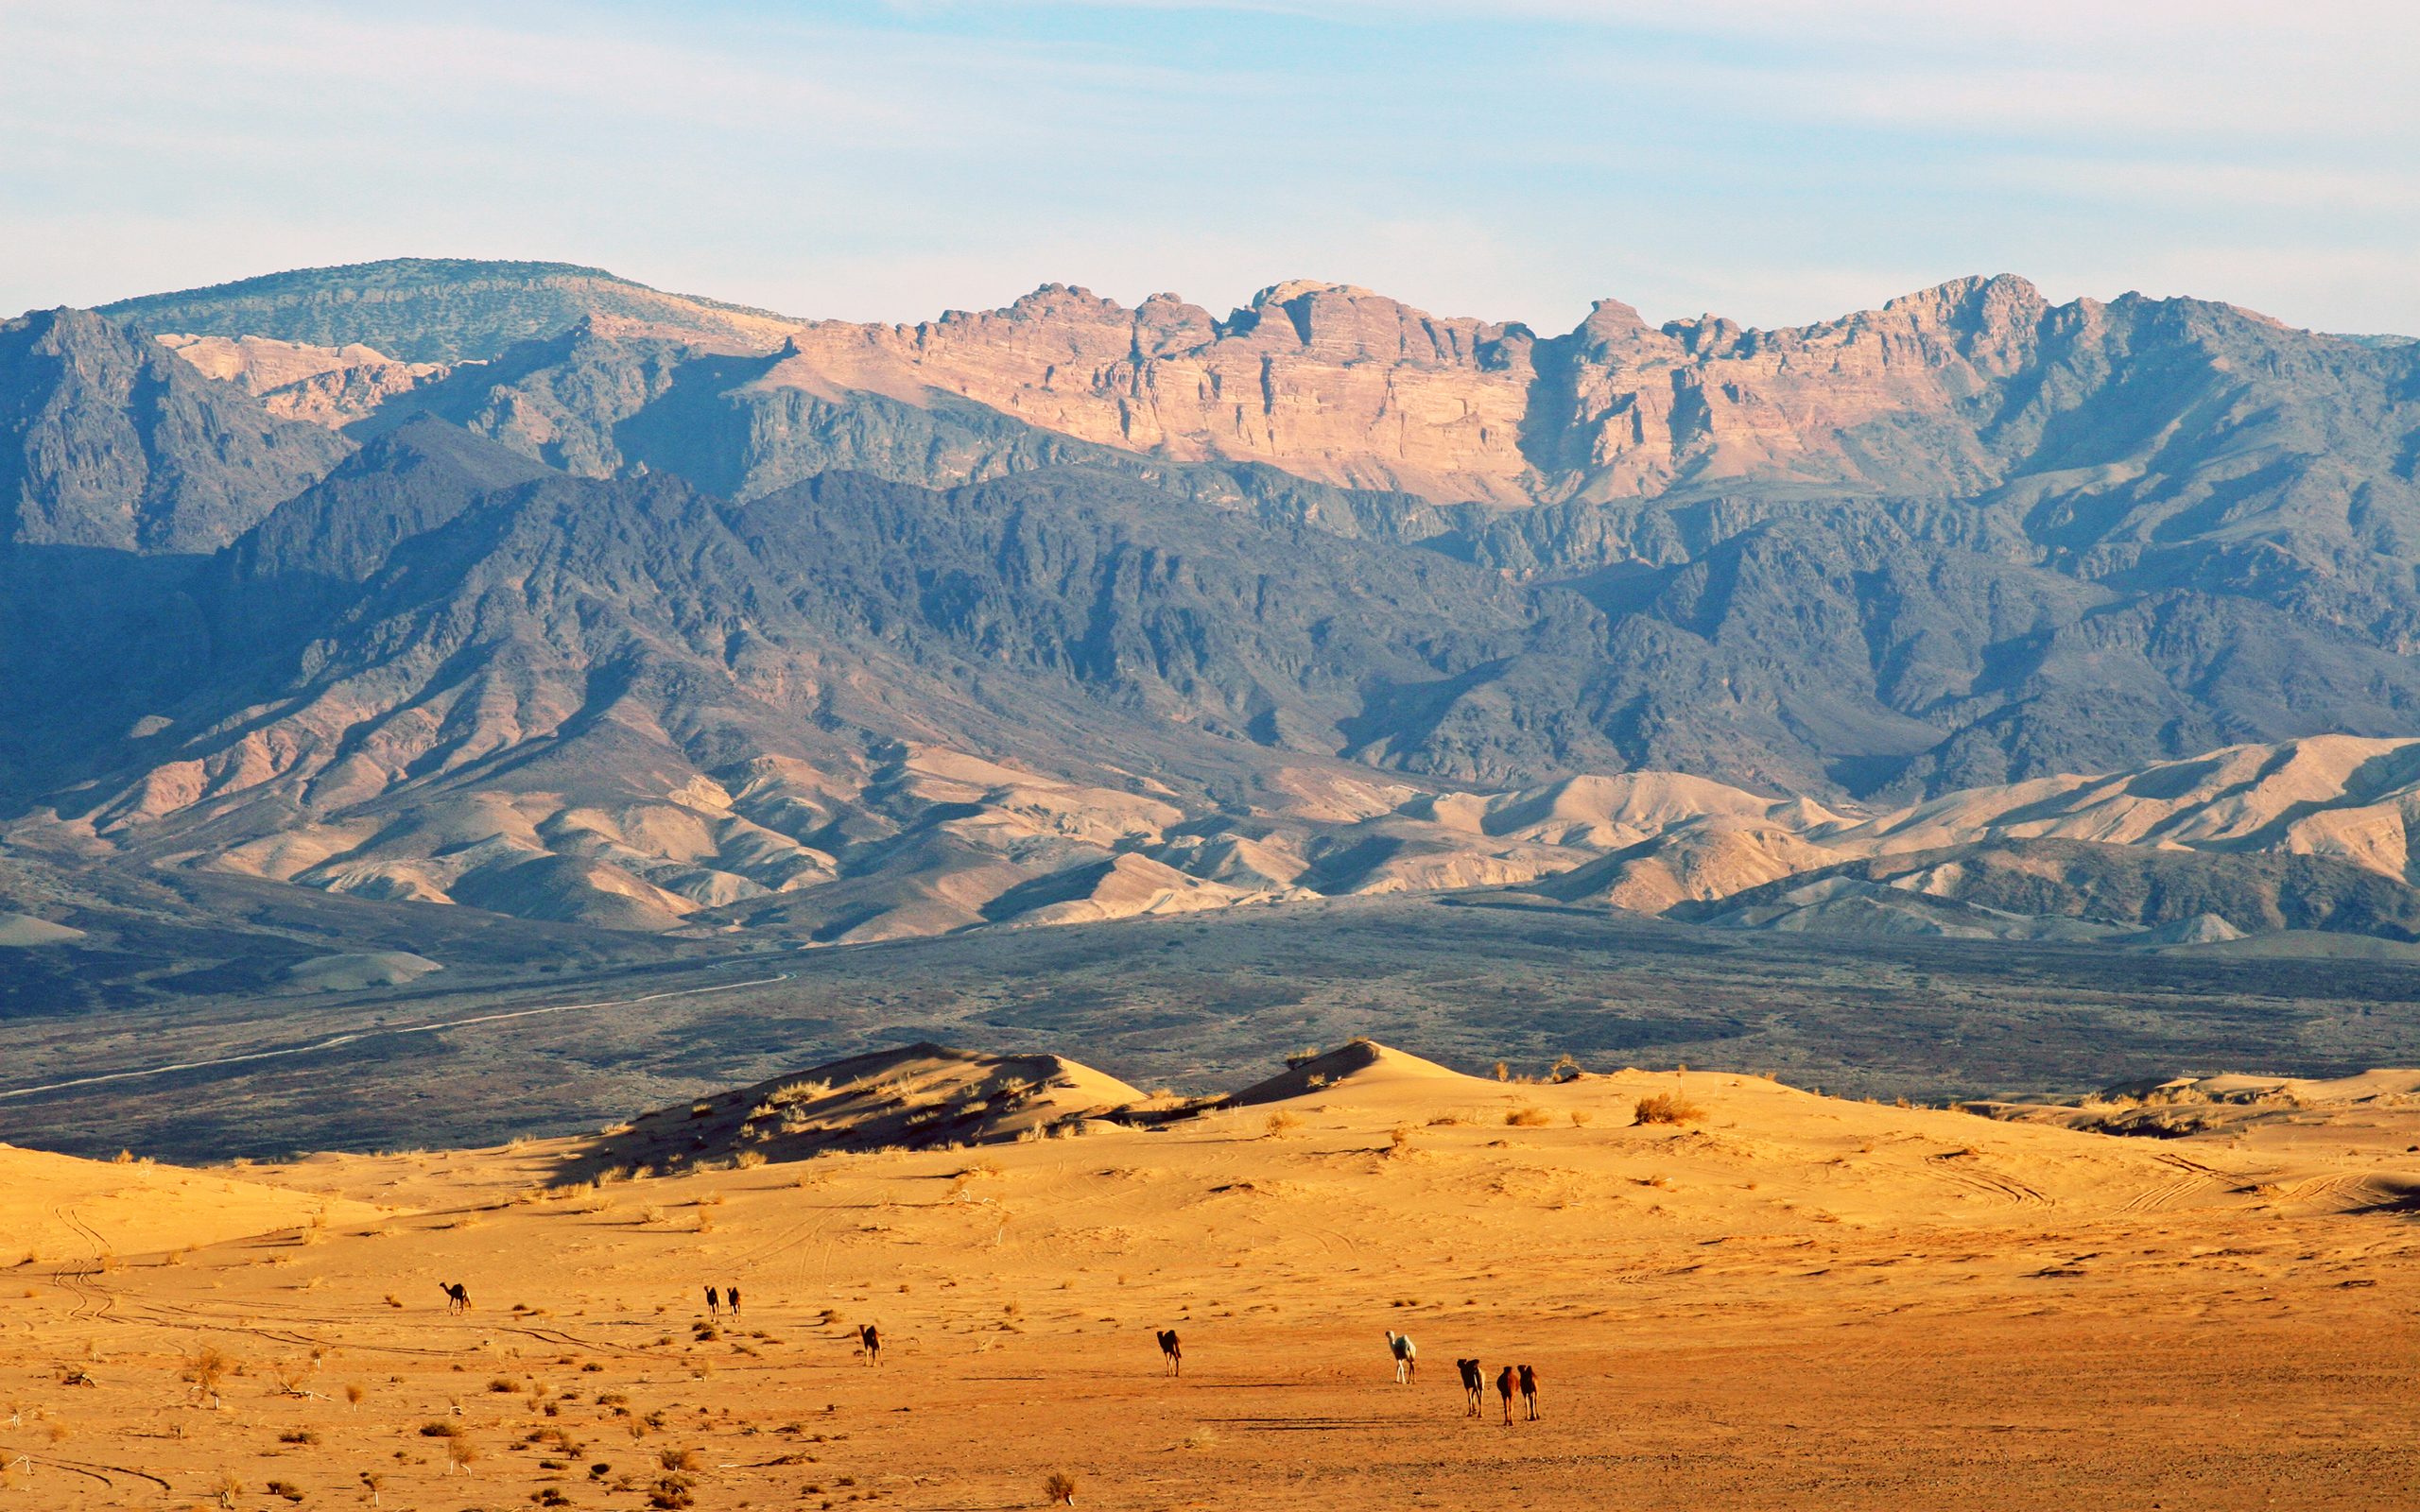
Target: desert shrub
{"x": 1666, "y": 1107}
{"x": 1528, "y": 1117}
{"x": 1279, "y": 1124}
{"x": 1581, "y": 1117}
{"x": 1060, "y": 1487}
{"x": 747, "y": 1161}
{"x": 503, "y": 1383}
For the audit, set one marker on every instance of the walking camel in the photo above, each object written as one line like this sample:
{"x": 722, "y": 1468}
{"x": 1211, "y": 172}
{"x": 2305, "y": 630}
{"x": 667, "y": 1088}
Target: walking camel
{"x": 1171, "y": 1352}
{"x": 1407, "y": 1355}
{"x": 1474, "y": 1382}
{"x": 458, "y": 1299}
{"x": 714, "y": 1302}
{"x": 730, "y": 1296}
{"x": 1529, "y": 1394}
{"x": 1504, "y": 1389}
{"x": 869, "y": 1340}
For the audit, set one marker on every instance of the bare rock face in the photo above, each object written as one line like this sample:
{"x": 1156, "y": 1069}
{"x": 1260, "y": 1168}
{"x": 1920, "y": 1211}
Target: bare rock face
{"x": 333, "y": 386}
{"x": 106, "y": 440}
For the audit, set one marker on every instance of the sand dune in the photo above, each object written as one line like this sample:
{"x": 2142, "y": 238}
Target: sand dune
{"x": 1782, "y": 1301}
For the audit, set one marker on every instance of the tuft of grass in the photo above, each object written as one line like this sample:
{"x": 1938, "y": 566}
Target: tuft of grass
{"x": 1581, "y": 1117}
{"x": 1201, "y": 1437}
{"x": 1528, "y": 1118}
{"x": 1280, "y": 1123}
{"x": 748, "y": 1159}
{"x": 1666, "y": 1107}
{"x": 1060, "y": 1487}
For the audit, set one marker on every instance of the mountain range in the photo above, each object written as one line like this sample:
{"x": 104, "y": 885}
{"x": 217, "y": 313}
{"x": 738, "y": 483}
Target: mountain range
{"x": 524, "y": 588}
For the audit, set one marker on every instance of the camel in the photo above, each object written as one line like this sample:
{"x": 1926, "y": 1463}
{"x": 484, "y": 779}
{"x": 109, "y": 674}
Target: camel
{"x": 1171, "y": 1352}
{"x": 714, "y": 1302}
{"x": 869, "y": 1339}
{"x": 1529, "y": 1394}
{"x": 1474, "y": 1382}
{"x": 1407, "y": 1356}
{"x": 731, "y": 1299}
{"x": 1504, "y": 1389}
{"x": 458, "y": 1299}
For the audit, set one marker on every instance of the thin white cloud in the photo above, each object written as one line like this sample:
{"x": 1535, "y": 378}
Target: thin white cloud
{"x": 1776, "y": 161}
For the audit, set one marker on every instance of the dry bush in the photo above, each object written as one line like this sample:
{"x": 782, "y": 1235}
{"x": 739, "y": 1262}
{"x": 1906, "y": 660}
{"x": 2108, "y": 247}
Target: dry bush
{"x": 313, "y": 1236}
{"x": 1400, "y": 1138}
{"x": 1060, "y": 1487}
{"x": 501, "y": 1383}
{"x": 1581, "y": 1117}
{"x": 1280, "y": 1123}
{"x": 1528, "y": 1118}
{"x": 747, "y": 1161}
{"x": 1503, "y": 1072}
{"x": 1201, "y": 1437}
{"x": 206, "y": 1367}
{"x": 678, "y": 1460}
{"x": 711, "y": 1199}
{"x": 650, "y": 1213}
{"x": 468, "y": 1220}
{"x": 352, "y": 1393}
{"x": 1666, "y": 1107}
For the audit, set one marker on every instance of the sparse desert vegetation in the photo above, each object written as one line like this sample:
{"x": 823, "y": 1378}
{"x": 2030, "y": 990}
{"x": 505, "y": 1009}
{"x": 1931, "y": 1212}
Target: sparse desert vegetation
{"x": 1793, "y": 1257}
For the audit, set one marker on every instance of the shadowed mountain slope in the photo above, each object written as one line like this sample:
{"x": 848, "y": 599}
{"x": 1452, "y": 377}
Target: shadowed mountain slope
{"x": 107, "y": 441}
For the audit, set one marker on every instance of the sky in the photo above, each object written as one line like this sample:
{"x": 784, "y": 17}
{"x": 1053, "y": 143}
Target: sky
{"x": 1774, "y": 162}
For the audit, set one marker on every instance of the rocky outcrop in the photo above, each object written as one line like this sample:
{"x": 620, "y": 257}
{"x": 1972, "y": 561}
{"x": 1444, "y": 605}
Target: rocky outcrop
{"x": 334, "y": 386}
{"x": 106, "y": 440}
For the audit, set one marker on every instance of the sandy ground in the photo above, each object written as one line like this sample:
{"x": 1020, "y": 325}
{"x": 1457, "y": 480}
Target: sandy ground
{"x": 1793, "y": 1302}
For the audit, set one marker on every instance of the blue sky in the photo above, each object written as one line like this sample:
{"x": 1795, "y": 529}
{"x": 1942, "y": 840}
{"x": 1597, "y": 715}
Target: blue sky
{"x": 1774, "y": 162}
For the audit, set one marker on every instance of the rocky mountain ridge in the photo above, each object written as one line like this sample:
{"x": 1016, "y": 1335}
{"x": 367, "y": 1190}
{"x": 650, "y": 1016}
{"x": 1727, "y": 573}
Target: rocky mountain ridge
{"x": 598, "y": 605}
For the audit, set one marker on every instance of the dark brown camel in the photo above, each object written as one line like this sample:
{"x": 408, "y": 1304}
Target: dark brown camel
{"x": 731, "y": 1297}
{"x": 869, "y": 1339}
{"x": 1171, "y": 1352}
{"x": 1474, "y": 1382}
{"x": 458, "y": 1299}
{"x": 714, "y": 1302}
{"x": 1529, "y": 1394}
{"x": 1504, "y": 1389}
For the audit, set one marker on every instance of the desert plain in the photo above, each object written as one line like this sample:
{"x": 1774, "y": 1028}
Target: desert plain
{"x": 1782, "y": 1301}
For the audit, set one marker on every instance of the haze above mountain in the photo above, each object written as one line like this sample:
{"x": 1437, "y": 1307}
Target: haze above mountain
{"x": 522, "y": 587}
